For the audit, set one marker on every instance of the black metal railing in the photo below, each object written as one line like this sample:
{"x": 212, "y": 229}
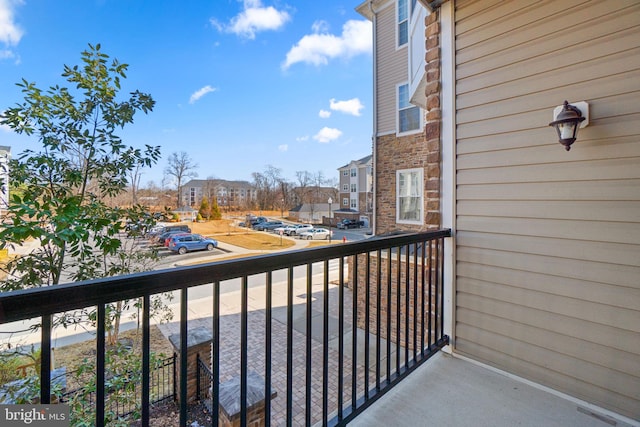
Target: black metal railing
{"x": 329, "y": 330}
{"x": 204, "y": 381}
{"x": 124, "y": 400}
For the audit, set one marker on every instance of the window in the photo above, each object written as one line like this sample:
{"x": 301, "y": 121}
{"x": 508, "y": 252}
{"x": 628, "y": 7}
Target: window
{"x": 403, "y": 22}
{"x": 409, "y": 192}
{"x": 354, "y": 204}
{"x": 345, "y": 187}
{"x": 345, "y": 202}
{"x": 408, "y": 114}
{"x": 354, "y": 188}
{"x": 192, "y": 196}
{"x": 345, "y": 173}
{"x": 354, "y": 172}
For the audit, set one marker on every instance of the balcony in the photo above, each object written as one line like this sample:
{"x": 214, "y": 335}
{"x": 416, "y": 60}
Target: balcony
{"x": 279, "y": 333}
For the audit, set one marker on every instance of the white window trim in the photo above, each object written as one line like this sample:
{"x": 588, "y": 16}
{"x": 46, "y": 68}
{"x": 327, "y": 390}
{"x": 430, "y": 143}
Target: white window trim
{"x": 345, "y": 201}
{"x": 397, "y": 23}
{"x": 397, "y": 110}
{"x": 421, "y": 193}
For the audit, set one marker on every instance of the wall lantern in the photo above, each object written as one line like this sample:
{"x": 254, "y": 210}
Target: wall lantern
{"x": 567, "y": 119}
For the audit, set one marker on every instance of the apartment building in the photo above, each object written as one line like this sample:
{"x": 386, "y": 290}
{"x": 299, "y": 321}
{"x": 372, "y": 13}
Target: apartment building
{"x": 356, "y": 187}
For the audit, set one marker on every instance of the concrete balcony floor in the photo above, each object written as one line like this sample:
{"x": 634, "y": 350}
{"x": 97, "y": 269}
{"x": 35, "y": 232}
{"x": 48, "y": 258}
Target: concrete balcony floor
{"x": 449, "y": 391}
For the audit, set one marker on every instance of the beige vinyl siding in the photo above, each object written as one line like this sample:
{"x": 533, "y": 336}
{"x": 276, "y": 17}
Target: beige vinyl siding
{"x": 548, "y": 241}
{"x": 392, "y": 69}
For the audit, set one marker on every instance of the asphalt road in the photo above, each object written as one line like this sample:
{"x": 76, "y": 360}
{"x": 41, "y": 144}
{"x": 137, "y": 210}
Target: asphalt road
{"x": 19, "y": 331}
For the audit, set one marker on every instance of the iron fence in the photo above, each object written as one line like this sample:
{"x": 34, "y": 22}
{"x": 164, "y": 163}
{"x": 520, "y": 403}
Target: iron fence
{"x": 124, "y": 398}
{"x": 338, "y": 327}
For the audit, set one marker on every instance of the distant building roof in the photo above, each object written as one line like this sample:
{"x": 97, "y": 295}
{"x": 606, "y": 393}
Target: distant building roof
{"x": 216, "y": 181}
{"x": 363, "y": 161}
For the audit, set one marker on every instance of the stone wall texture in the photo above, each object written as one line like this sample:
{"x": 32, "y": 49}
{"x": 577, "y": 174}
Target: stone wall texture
{"x": 421, "y": 150}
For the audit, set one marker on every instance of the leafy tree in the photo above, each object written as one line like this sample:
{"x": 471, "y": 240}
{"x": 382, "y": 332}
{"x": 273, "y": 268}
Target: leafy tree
{"x": 215, "y": 210}
{"x": 179, "y": 167}
{"x": 205, "y": 209}
{"x": 83, "y": 162}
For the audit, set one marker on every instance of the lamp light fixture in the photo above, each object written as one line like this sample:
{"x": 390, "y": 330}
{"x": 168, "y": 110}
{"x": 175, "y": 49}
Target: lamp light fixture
{"x": 567, "y": 119}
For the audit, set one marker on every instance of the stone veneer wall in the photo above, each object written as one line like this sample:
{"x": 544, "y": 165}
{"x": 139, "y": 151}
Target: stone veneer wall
{"x": 407, "y": 303}
{"x": 393, "y": 153}
{"x": 420, "y": 150}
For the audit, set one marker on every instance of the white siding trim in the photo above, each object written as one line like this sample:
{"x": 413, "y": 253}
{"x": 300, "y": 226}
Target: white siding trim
{"x": 448, "y": 180}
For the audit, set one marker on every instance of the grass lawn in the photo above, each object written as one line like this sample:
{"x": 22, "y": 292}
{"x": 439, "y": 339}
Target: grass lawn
{"x": 224, "y": 231}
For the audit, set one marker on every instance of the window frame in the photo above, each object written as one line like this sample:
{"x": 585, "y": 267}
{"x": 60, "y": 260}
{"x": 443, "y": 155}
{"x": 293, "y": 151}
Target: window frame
{"x": 400, "y": 21}
{"x": 408, "y": 107}
{"x": 419, "y": 196}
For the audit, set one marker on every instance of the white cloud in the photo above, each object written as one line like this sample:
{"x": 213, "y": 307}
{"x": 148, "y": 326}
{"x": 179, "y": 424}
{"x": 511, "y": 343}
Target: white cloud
{"x": 350, "y": 106}
{"x": 302, "y": 138}
{"x": 10, "y": 32}
{"x": 327, "y": 135}
{"x": 318, "y": 48}
{"x": 320, "y": 27}
{"x": 200, "y": 93}
{"x": 253, "y": 19}
{"x": 6, "y": 128}
{"x": 283, "y": 147}
{"x": 324, "y": 114}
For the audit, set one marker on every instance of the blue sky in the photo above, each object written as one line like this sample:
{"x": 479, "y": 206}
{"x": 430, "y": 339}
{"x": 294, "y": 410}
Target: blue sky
{"x": 238, "y": 85}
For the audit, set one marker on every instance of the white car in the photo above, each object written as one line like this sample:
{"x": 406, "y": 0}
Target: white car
{"x": 315, "y": 234}
{"x": 298, "y": 228}
{"x": 292, "y": 229}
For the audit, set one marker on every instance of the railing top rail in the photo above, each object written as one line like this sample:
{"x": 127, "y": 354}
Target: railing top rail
{"x": 30, "y": 303}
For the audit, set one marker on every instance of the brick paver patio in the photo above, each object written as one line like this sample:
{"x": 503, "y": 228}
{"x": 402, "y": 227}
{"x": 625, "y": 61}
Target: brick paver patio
{"x": 200, "y": 315}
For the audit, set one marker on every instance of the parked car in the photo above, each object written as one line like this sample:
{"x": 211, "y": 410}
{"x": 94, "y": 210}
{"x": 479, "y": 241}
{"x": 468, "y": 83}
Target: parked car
{"x": 159, "y": 231}
{"x": 170, "y": 235}
{"x": 299, "y": 228}
{"x": 183, "y": 243}
{"x": 315, "y": 234}
{"x": 162, "y": 237}
{"x": 267, "y": 226}
{"x": 284, "y": 229}
{"x": 349, "y": 223}
{"x": 257, "y": 220}
{"x": 292, "y": 229}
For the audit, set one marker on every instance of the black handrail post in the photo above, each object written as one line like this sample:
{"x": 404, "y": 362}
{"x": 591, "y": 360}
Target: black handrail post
{"x": 100, "y": 359}
{"x": 290, "y": 347}
{"x": 45, "y": 360}
{"x": 340, "y": 338}
{"x": 354, "y": 344}
{"x": 243, "y": 350}
{"x": 367, "y": 315}
{"x": 325, "y": 345}
{"x": 146, "y": 356}
{"x": 183, "y": 357}
{"x": 267, "y": 357}
{"x": 308, "y": 346}
{"x": 415, "y": 301}
{"x": 378, "y": 312}
{"x": 215, "y": 363}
